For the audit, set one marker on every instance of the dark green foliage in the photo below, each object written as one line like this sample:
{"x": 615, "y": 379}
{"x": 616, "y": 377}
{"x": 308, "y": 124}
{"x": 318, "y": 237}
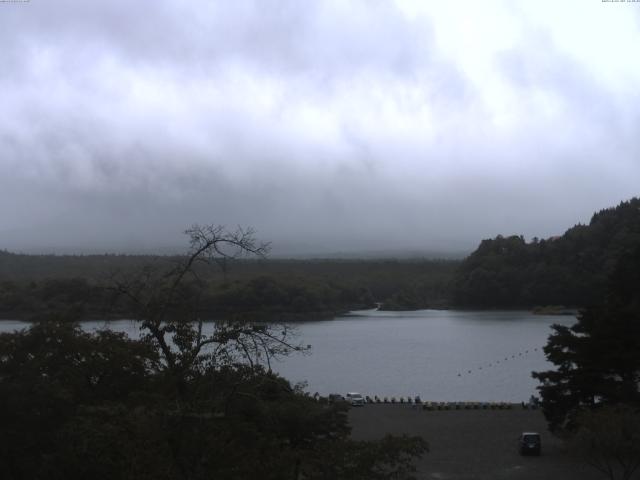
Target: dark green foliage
{"x": 47, "y": 374}
{"x": 567, "y": 270}
{"x": 598, "y": 359}
{"x": 267, "y": 289}
{"x": 266, "y": 296}
{"x": 101, "y": 406}
{"x": 75, "y": 296}
{"x": 21, "y": 267}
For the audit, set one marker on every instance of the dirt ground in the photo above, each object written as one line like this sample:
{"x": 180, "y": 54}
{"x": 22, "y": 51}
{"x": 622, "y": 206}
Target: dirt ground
{"x": 472, "y": 444}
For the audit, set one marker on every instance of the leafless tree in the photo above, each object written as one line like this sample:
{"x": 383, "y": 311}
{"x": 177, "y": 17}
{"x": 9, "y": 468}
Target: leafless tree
{"x": 165, "y": 299}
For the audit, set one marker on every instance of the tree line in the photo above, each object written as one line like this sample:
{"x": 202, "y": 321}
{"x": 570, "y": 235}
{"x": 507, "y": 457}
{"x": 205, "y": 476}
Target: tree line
{"x": 265, "y": 288}
{"x": 569, "y": 270}
{"x": 262, "y": 297}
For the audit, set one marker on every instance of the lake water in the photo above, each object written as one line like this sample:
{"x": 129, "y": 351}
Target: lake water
{"x": 441, "y": 355}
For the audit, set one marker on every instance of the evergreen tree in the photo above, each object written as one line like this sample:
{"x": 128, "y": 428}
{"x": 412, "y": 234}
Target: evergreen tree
{"x": 598, "y": 358}
{"x": 568, "y": 270}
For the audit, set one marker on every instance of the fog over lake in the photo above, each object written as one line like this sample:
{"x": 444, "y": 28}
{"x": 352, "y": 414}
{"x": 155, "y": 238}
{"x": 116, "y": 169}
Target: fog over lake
{"x": 441, "y": 355}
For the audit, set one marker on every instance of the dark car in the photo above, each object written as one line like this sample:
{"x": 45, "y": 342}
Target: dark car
{"x": 529, "y": 443}
{"x": 336, "y": 398}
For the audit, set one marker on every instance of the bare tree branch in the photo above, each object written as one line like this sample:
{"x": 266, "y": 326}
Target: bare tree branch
{"x": 166, "y": 302}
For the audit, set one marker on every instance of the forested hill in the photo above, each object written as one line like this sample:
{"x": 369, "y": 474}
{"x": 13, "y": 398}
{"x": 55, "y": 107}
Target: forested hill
{"x": 570, "y": 270}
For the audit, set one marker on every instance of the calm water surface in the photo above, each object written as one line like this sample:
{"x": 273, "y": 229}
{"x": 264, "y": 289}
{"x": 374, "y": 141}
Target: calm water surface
{"x": 441, "y": 355}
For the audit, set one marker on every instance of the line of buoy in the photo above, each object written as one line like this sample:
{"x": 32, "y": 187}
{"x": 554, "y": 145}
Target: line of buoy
{"x": 497, "y": 362}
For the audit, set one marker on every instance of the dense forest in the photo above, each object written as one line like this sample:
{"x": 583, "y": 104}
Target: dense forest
{"x": 568, "y": 270}
{"x": 267, "y": 288}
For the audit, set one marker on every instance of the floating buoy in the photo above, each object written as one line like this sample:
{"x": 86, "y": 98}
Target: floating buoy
{"x": 497, "y": 362}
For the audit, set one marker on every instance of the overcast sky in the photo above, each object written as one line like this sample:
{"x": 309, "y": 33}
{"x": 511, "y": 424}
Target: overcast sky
{"x": 329, "y": 126}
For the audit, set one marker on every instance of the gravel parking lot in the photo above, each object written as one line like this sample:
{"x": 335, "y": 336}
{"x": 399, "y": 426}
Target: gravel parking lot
{"x": 472, "y": 444}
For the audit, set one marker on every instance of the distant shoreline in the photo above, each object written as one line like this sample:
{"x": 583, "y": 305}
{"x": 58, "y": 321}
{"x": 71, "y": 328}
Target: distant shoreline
{"x": 295, "y": 317}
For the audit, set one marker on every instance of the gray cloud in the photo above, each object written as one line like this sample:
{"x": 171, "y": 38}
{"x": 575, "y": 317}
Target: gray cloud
{"x": 329, "y": 126}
